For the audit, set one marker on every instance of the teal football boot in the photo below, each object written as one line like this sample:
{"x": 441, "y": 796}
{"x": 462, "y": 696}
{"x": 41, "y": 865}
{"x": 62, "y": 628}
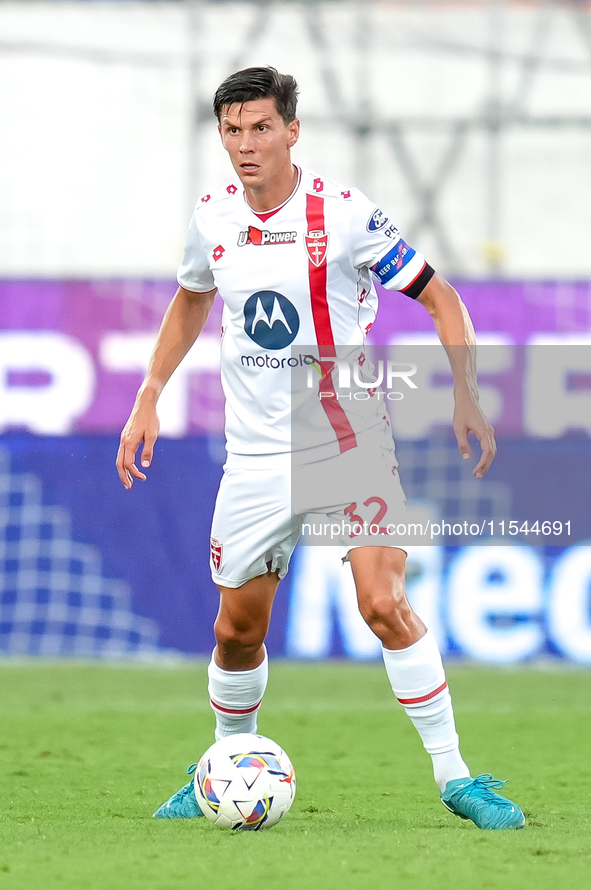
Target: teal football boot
{"x": 183, "y": 804}
{"x": 475, "y": 799}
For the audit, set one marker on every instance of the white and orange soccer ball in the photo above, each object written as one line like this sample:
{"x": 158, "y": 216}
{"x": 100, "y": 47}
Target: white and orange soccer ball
{"x": 245, "y": 782}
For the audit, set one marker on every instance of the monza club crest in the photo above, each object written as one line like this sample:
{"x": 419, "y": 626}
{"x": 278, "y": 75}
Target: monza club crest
{"x": 216, "y": 554}
{"x": 316, "y": 247}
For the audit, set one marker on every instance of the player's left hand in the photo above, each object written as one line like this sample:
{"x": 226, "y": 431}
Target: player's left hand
{"x": 469, "y": 418}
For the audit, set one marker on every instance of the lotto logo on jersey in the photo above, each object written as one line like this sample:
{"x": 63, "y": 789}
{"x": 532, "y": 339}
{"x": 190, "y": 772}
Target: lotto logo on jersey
{"x": 263, "y": 236}
{"x": 271, "y": 320}
{"x": 216, "y": 554}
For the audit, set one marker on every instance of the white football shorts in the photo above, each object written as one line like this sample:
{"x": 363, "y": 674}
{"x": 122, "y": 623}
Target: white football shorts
{"x": 265, "y": 504}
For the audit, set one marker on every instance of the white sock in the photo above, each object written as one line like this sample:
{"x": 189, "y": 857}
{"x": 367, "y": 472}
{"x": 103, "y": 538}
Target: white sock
{"x": 236, "y": 697}
{"x": 418, "y": 681}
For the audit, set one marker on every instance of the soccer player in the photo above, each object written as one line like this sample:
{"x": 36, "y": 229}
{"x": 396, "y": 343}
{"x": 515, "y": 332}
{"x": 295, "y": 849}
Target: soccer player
{"x": 292, "y": 255}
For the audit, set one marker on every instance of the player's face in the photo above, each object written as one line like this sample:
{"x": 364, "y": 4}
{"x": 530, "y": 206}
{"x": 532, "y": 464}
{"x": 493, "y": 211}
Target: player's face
{"x": 258, "y": 141}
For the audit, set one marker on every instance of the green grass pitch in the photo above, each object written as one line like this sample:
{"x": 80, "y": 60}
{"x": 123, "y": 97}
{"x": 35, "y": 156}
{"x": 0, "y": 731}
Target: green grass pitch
{"x": 88, "y": 752}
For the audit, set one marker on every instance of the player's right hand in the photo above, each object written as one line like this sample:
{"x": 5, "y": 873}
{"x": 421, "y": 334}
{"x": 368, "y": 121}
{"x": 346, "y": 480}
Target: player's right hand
{"x": 143, "y": 426}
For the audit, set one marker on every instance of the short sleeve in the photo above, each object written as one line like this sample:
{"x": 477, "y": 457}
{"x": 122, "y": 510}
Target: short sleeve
{"x": 376, "y": 243}
{"x": 194, "y": 273}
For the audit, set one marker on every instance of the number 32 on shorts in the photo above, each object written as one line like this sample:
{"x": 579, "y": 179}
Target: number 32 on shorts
{"x": 373, "y": 527}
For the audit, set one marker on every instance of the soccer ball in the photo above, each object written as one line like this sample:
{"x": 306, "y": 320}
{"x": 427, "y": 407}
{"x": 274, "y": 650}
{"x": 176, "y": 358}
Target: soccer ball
{"x": 245, "y": 782}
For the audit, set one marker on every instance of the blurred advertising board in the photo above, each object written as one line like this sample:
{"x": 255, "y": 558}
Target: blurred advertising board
{"x": 89, "y": 569}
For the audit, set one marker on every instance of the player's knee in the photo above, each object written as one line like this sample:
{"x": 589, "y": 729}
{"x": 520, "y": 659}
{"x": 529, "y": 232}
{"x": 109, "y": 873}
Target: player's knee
{"x": 374, "y": 610}
{"x": 246, "y": 636}
{"x": 385, "y": 610}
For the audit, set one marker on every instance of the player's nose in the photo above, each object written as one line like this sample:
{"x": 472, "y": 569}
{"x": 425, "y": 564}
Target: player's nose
{"x": 246, "y": 142}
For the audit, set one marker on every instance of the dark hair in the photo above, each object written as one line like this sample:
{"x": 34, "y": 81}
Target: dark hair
{"x": 258, "y": 83}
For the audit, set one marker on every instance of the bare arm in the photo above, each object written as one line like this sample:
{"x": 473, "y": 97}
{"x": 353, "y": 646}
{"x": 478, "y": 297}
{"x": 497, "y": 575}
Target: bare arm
{"x": 182, "y": 324}
{"x": 456, "y": 332}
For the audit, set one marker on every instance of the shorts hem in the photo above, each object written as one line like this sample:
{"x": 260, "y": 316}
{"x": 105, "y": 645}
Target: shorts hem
{"x": 345, "y": 558}
{"x": 228, "y": 582}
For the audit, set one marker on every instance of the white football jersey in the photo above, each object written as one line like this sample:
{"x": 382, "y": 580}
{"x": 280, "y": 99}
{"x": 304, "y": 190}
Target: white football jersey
{"x": 296, "y": 281}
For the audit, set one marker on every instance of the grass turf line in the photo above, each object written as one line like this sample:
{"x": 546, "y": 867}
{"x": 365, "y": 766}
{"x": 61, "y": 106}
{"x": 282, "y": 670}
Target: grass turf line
{"x": 88, "y": 752}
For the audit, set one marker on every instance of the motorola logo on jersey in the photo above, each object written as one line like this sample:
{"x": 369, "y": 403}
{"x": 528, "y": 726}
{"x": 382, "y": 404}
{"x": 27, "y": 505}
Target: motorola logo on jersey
{"x": 271, "y": 320}
{"x": 376, "y": 221}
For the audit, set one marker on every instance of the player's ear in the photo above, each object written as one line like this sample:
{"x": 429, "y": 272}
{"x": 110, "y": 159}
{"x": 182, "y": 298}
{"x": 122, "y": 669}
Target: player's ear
{"x": 293, "y": 130}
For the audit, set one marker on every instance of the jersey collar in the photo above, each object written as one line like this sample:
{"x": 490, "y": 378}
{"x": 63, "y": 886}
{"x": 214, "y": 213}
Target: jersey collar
{"x": 269, "y": 213}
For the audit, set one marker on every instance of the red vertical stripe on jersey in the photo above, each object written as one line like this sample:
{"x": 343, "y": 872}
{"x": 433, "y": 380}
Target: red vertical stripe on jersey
{"x": 324, "y": 336}
{"x": 320, "y": 313}
{"x": 337, "y": 417}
